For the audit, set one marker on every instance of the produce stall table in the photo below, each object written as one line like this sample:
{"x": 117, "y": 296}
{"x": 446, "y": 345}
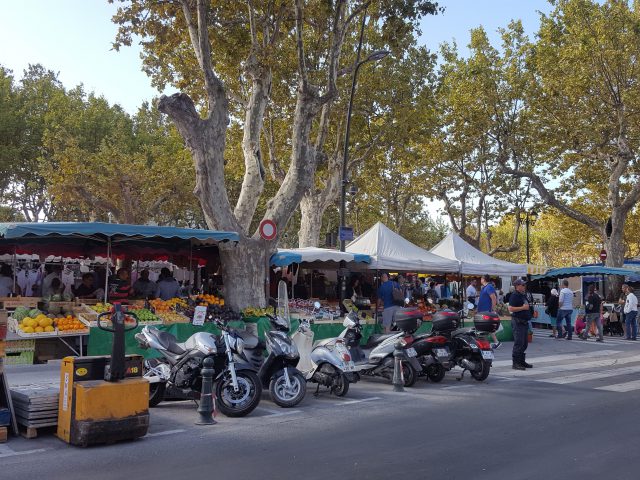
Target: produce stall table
{"x": 100, "y": 341}
{"x": 13, "y": 337}
{"x": 544, "y": 318}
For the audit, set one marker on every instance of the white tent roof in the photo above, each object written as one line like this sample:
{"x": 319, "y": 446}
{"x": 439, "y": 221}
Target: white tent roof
{"x": 473, "y": 261}
{"x": 389, "y": 251}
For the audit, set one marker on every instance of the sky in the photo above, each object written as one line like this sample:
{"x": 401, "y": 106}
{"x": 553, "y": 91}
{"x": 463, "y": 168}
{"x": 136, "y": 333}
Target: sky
{"x": 74, "y": 37}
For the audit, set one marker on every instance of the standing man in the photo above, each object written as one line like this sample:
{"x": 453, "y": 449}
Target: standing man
{"x": 565, "y": 311}
{"x": 385, "y": 301}
{"x": 594, "y": 313}
{"x": 488, "y": 301}
{"x": 520, "y": 316}
{"x": 472, "y": 293}
{"x": 630, "y": 312}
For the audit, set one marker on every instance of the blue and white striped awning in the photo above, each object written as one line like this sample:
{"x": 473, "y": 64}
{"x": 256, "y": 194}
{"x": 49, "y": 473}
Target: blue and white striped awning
{"x": 307, "y": 255}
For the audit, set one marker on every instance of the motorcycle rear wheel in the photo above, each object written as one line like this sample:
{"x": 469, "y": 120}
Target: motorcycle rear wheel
{"x": 341, "y": 385}
{"x": 410, "y": 374}
{"x": 436, "y": 372}
{"x": 483, "y": 372}
{"x": 243, "y": 402}
{"x": 284, "y": 397}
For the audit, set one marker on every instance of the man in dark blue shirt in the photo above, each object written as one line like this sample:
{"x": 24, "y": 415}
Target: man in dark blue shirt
{"x": 488, "y": 298}
{"x": 385, "y": 300}
{"x": 520, "y": 316}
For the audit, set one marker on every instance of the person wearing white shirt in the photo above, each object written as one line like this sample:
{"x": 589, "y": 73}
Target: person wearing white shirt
{"x": 54, "y": 272}
{"x": 472, "y": 293}
{"x": 565, "y": 310}
{"x": 6, "y": 281}
{"x": 630, "y": 312}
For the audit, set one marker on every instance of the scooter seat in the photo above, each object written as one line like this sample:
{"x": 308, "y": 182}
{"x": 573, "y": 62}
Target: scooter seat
{"x": 462, "y": 331}
{"x": 378, "y": 338}
{"x": 168, "y": 341}
{"x": 250, "y": 341}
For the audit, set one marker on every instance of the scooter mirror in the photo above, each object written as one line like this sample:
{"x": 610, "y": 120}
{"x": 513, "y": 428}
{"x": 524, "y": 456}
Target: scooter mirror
{"x": 316, "y": 305}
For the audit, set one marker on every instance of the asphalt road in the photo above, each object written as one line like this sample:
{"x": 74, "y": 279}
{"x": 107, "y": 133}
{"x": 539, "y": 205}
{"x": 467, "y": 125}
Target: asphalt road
{"x": 574, "y": 415}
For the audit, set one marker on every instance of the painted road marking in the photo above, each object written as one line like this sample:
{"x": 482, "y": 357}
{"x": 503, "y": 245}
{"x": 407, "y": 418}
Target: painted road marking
{"x": 362, "y": 400}
{"x": 578, "y": 366}
{"x": 166, "y": 432}
{"x": 593, "y": 375}
{"x": 6, "y": 451}
{"x": 276, "y": 413}
{"x": 555, "y": 358}
{"x": 622, "y": 387}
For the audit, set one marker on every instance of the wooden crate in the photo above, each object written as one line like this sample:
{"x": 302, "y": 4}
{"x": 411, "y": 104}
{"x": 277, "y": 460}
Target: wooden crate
{"x": 15, "y": 302}
{"x": 3, "y": 434}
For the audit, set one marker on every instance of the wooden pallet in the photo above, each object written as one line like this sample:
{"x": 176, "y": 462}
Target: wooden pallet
{"x": 3, "y": 434}
{"x": 35, "y": 407}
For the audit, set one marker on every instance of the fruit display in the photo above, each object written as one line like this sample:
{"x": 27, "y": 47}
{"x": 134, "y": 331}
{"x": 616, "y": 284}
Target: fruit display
{"x": 101, "y": 307}
{"x": 172, "y": 317}
{"x": 177, "y": 302}
{"x": 257, "y": 312}
{"x": 70, "y": 324}
{"x": 160, "y": 305}
{"x": 38, "y": 325}
{"x": 144, "y": 315}
{"x": 208, "y": 300}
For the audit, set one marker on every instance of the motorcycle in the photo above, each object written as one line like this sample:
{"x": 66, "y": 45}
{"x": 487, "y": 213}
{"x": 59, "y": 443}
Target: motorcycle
{"x": 326, "y": 363}
{"x": 448, "y": 346}
{"x": 376, "y": 357}
{"x": 177, "y": 372}
{"x": 277, "y": 371}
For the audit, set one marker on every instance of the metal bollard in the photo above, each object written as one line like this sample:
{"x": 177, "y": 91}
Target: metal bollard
{"x": 398, "y": 375}
{"x": 205, "y": 408}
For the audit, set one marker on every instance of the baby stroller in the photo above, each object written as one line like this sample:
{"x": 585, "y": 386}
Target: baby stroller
{"x": 612, "y": 324}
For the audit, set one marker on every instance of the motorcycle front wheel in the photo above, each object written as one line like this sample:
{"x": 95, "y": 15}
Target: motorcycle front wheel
{"x": 481, "y": 373}
{"x": 288, "y": 397}
{"x": 156, "y": 393}
{"x": 242, "y": 402}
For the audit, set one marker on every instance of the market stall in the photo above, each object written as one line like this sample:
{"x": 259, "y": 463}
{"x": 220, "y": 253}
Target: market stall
{"x": 66, "y": 323}
{"x": 577, "y": 277}
{"x": 473, "y": 261}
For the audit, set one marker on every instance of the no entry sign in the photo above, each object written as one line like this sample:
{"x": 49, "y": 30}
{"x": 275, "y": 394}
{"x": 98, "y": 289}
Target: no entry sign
{"x": 603, "y": 254}
{"x": 268, "y": 229}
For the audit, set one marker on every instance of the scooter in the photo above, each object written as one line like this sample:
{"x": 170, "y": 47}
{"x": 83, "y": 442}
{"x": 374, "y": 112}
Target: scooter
{"x": 376, "y": 357}
{"x": 177, "y": 372}
{"x": 448, "y": 346}
{"x": 327, "y": 362}
{"x": 277, "y": 372}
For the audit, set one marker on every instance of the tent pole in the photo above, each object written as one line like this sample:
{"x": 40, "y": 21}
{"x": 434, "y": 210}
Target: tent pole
{"x": 15, "y": 266}
{"x": 106, "y": 270}
{"x": 190, "y": 267}
{"x": 377, "y": 287}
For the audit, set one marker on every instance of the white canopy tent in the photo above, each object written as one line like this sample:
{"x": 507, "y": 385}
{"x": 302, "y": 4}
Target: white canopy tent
{"x": 473, "y": 261}
{"x": 389, "y": 251}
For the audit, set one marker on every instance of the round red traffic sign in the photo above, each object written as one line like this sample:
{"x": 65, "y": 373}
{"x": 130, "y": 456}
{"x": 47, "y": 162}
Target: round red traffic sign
{"x": 603, "y": 255}
{"x": 268, "y": 229}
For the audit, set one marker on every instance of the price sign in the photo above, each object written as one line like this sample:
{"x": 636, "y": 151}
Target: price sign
{"x": 199, "y": 315}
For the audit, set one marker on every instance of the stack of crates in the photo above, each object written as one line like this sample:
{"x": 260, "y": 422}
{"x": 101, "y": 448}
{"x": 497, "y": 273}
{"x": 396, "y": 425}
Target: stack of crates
{"x": 20, "y": 352}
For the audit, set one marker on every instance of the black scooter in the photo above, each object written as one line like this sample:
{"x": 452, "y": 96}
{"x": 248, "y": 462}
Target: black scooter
{"x": 448, "y": 346}
{"x": 278, "y": 371}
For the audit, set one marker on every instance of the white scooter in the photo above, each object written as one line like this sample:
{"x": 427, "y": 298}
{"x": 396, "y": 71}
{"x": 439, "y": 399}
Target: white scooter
{"x": 327, "y": 362}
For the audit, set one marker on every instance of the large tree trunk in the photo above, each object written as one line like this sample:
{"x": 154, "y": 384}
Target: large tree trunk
{"x": 244, "y": 273}
{"x": 311, "y": 213}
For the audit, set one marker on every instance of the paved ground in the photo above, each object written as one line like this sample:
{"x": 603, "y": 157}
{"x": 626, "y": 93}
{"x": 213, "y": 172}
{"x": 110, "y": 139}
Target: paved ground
{"x": 572, "y": 416}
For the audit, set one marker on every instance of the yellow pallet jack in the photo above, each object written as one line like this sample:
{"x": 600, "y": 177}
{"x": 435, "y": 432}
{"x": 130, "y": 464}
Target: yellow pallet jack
{"x": 104, "y": 399}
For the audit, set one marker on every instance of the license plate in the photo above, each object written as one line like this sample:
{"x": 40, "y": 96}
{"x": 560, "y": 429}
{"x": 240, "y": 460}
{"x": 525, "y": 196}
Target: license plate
{"x": 411, "y": 352}
{"x": 442, "y": 352}
{"x": 349, "y": 366}
{"x": 487, "y": 355}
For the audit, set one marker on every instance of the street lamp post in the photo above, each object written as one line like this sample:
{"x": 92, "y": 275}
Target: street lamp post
{"x": 529, "y": 220}
{"x": 374, "y": 57}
